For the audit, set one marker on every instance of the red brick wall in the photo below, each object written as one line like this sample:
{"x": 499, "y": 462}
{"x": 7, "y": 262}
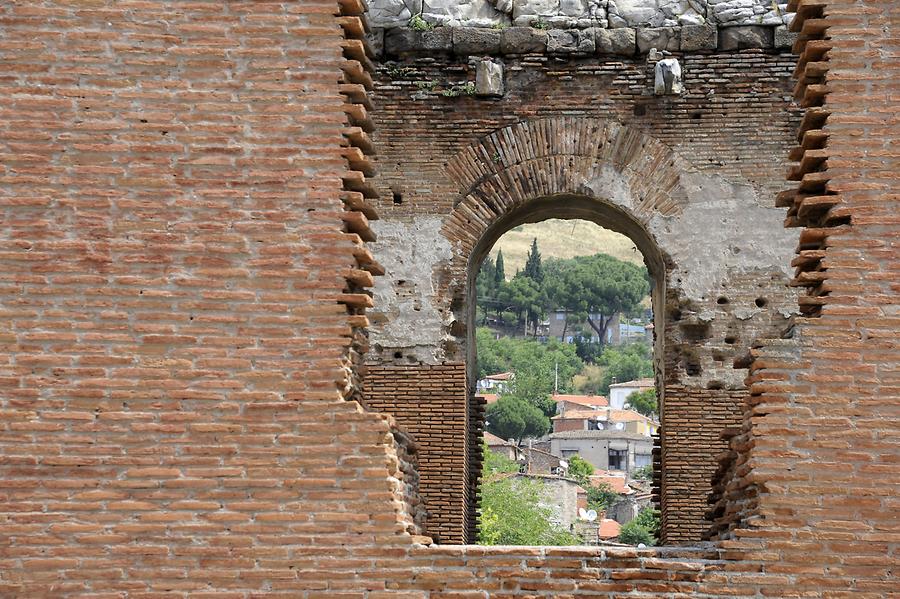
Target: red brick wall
{"x": 176, "y": 324}
{"x": 146, "y": 453}
{"x": 430, "y": 403}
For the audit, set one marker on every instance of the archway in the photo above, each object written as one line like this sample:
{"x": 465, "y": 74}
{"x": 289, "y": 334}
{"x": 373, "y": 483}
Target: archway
{"x": 624, "y": 180}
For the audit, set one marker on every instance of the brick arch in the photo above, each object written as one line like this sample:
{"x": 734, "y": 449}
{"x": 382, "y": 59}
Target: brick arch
{"x": 630, "y": 174}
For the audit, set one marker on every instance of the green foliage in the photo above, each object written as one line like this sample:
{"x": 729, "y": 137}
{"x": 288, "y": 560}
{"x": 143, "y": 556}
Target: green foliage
{"x": 644, "y": 402}
{"x": 499, "y": 271}
{"x": 534, "y": 363}
{"x": 512, "y": 514}
{"x": 580, "y": 469}
{"x": 467, "y": 88}
{"x": 494, "y": 463}
{"x": 539, "y": 23}
{"x": 643, "y": 473}
{"x": 597, "y": 284}
{"x": 601, "y": 497}
{"x": 511, "y": 417}
{"x": 643, "y": 529}
{"x": 524, "y": 297}
{"x": 632, "y": 534}
{"x": 417, "y": 23}
{"x": 533, "y": 268}
{"x": 628, "y": 363}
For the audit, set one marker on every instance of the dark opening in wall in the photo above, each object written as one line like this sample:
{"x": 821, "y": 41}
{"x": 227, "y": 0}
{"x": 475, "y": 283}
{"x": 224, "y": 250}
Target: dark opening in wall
{"x": 761, "y": 302}
{"x": 398, "y": 198}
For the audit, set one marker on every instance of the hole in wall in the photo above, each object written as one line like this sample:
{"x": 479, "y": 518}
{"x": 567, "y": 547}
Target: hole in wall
{"x": 722, "y": 300}
{"x": 640, "y": 110}
{"x": 731, "y": 340}
{"x": 715, "y": 385}
{"x": 398, "y": 198}
{"x": 398, "y": 354}
{"x": 761, "y": 302}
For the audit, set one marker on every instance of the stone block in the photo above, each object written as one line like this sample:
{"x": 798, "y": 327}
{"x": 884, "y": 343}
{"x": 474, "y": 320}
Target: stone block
{"x": 667, "y": 81}
{"x": 523, "y": 40}
{"x": 739, "y": 38}
{"x": 784, "y": 39}
{"x": 569, "y": 41}
{"x": 699, "y": 37}
{"x": 661, "y": 38}
{"x": 475, "y": 41}
{"x": 376, "y": 39}
{"x": 615, "y": 41}
{"x": 402, "y": 40}
{"x": 489, "y": 78}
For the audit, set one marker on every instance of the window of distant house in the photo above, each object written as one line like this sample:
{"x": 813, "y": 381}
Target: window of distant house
{"x": 568, "y": 453}
{"x": 617, "y": 458}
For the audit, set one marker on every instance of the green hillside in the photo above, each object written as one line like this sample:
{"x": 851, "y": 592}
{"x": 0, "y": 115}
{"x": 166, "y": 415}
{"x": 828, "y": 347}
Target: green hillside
{"x": 563, "y": 239}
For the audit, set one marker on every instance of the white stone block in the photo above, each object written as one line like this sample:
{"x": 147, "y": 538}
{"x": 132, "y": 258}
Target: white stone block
{"x": 668, "y": 78}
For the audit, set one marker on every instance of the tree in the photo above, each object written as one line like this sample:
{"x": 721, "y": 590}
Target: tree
{"x": 632, "y": 534}
{"x": 601, "y": 496}
{"x": 522, "y": 296}
{"x": 580, "y": 469}
{"x": 643, "y": 529}
{"x": 513, "y": 418}
{"x": 514, "y": 512}
{"x": 643, "y": 473}
{"x": 536, "y": 366}
{"x": 533, "y": 268}
{"x": 499, "y": 271}
{"x": 644, "y": 402}
{"x": 596, "y": 288}
{"x": 629, "y": 363}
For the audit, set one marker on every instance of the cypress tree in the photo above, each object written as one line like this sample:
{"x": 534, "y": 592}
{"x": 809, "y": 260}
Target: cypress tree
{"x": 499, "y": 272}
{"x": 533, "y": 268}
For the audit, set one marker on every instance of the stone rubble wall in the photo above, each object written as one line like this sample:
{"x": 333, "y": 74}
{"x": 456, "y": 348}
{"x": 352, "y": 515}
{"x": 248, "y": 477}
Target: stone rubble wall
{"x": 567, "y": 14}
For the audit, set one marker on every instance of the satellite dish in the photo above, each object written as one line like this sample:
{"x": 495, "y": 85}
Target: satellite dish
{"x": 591, "y": 515}
{"x": 582, "y": 513}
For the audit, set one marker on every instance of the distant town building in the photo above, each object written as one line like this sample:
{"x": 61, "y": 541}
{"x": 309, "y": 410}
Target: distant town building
{"x": 605, "y": 449}
{"x": 619, "y": 392}
{"x": 500, "y": 446}
{"x": 604, "y": 419}
{"x": 565, "y": 403}
{"x": 563, "y": 497}
{"x": 495, "y": 383}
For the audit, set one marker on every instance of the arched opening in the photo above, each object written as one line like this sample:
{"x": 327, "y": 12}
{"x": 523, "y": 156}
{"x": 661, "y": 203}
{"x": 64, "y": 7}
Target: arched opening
{"x": 568, "y": 497}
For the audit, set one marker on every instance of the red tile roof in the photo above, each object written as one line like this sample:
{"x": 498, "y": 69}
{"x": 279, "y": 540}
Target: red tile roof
{"x": 584, "y": 400}
{"x": 640, "y": 384}
{"x": 492, "y": 439}
{"x": 615, "y": 481}
{"x": 608, "y": 529}
{"x": 500, "y": 376}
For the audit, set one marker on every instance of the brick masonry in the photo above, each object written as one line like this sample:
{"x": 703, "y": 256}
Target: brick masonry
{"x": 132, "y": 465}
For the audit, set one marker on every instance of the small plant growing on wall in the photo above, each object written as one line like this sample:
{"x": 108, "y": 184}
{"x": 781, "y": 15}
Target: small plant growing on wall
{"x": 454, "y": 91}
{"x": 417, "y": 23}
{"x": 539, "y": 23}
